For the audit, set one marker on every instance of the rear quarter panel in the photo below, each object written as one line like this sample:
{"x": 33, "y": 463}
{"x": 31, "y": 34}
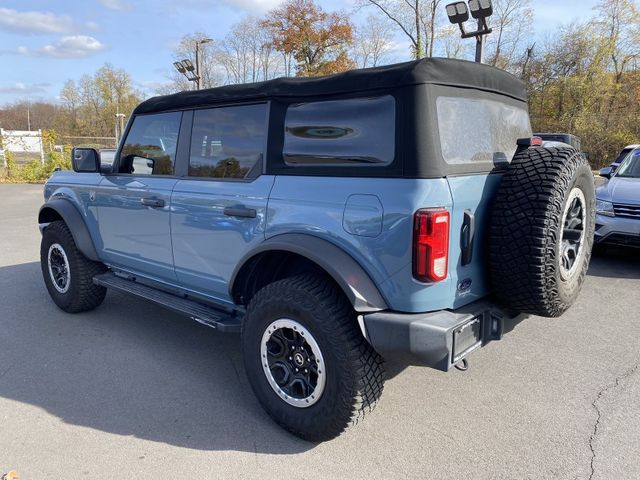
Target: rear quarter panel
{"x": 317, "y": 206}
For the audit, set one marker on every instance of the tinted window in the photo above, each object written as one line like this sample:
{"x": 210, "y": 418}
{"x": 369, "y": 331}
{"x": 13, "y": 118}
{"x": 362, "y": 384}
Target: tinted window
{"x": 341, "y": 132}
{"x": 623, "y": 154}
{"x": 228, "y": 142}
{"x": 630, "y": 168}
{"x": 480, "y": 130}
{"x": 150, "y": 147}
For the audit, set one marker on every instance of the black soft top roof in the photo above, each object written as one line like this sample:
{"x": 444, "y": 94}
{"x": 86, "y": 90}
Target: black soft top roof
{"x": 441, "y": 71}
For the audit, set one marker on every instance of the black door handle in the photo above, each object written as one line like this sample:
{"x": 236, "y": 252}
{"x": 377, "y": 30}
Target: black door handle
{"x": 467, "y": 237}
{"x": 152, "y": 202}
{"x": 240, "y": 211}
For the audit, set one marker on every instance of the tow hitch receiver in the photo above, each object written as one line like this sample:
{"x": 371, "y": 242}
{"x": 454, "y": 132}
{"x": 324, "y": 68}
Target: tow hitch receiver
{"x": 440, "y": 340}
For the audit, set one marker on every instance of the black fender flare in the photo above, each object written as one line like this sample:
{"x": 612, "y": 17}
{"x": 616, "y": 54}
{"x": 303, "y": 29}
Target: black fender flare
{"x": 69, "y": 213}
{"x": 357, "y": 285}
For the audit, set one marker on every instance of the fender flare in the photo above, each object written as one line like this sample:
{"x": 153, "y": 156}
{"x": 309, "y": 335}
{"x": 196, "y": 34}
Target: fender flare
{"x": 73, "y": 218}
{"x": 357, "y": 285}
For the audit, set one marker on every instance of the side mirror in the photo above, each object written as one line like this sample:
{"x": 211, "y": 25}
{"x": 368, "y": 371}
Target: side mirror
{"x": 606, "y": 172}
{"x": 85, "y": 160}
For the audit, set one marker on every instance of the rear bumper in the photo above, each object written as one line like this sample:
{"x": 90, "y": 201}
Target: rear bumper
{"x": 429, "y": 339}
{"x": 617, "y": 231}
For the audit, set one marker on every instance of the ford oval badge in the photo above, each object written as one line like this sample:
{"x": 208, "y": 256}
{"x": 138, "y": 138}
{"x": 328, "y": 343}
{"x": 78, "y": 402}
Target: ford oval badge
{"x": 464, "y": 285}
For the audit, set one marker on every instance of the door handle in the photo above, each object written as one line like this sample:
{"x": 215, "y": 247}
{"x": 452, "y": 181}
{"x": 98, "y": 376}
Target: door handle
{"x": 152, "y": 202}
{"x": 240, "y": 211}
{"x": 467, "y": 236}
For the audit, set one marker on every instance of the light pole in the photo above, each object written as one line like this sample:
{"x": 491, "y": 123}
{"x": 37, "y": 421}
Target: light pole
{"x": 199, "y": 43}
{"x": 119, "y": 127}
{"x": 458, "y": 13}
{"x": 186, "y": 67}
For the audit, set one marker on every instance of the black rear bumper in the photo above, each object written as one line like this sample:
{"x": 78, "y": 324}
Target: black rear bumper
{"x": 428, "y": 339}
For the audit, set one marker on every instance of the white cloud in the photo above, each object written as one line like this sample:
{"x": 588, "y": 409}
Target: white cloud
{"x": 249, "y": 6}
{"x": 118, "y": 5}
{"x": 35, "y": 22}
{"x": 24, "y": 89}
{"x": 253, "y": 5}
{"x": 74, "y": 46}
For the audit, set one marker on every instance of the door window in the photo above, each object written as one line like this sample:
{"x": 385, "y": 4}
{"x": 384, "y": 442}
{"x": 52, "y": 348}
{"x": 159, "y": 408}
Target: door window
{"x": 150, "y": 146}
{"x": 228, "y": 142}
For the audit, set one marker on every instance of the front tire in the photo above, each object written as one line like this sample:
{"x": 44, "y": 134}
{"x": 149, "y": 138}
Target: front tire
{"x": 306, "y": 359}
{"x": 68, "y": 274}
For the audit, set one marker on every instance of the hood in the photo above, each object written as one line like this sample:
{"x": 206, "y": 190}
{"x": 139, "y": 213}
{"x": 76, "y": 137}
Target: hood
{"x": 620, "y": 190}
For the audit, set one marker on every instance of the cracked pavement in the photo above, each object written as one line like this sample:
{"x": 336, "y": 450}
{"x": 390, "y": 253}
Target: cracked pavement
{"x": 131, "y": 390}
{"x": 611, "y": 459}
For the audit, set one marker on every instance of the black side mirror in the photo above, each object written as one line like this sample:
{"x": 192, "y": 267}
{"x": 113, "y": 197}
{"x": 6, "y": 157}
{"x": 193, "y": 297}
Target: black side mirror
{"x": 85, "y": 160}
{"x": 606, "y": 172}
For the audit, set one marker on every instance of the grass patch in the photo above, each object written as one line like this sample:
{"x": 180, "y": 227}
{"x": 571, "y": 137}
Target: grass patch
{"x": 34, "y": 171}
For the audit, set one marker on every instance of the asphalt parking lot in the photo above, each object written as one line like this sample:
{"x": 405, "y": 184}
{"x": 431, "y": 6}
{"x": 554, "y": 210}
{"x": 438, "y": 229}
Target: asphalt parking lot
{"x": 133, "y": 391}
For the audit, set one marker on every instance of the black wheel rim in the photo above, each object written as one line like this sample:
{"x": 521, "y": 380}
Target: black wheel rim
{"x": 573, "y": 229}
{"x": 59, "y": 268}
{"x": 293, "y": 363}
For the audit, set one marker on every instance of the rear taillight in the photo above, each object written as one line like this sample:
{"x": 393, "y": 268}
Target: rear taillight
{"x": 430, "y": 244}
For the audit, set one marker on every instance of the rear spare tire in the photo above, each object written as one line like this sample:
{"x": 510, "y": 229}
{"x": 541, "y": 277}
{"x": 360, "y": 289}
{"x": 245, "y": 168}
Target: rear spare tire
{"x": 542, "y": 228}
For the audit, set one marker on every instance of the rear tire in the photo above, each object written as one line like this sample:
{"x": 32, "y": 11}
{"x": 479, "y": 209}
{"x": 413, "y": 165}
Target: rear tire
{"x": 542, "y": 230}
{"x": 68, "y": 274}
{"x": 308, "y": 314}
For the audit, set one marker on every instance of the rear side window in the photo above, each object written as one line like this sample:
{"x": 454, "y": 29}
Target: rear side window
{"x": 150, "y": 146}
{"x": 480, "y": 130}
{"x": 228, "y": 142}
{"x": 357, "y": 131}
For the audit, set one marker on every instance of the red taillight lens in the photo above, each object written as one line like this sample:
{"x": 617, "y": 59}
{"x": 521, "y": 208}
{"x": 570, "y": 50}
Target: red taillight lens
{"x": 430, "y": 245}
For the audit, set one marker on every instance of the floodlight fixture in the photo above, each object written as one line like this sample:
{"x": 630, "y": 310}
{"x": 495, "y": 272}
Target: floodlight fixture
{"x": 179, "y": 67}
{"x": 457, "y": 12}
{"x": 188, "y": 65}
{"x": 480, "y": 8}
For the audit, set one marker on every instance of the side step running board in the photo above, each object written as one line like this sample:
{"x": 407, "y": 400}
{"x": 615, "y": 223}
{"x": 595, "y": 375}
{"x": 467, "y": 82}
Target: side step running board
{"x": 218, "y": 319}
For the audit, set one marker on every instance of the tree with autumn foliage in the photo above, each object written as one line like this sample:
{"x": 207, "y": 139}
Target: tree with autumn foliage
{"x": 317, "y": 40}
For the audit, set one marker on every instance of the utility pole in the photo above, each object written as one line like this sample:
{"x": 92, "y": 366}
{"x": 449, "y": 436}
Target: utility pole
{"x": 480, "y": 43}
{"x": 198, "y": 68}
{"x": 119, "y": 127}
{"x": 199, "y": 72}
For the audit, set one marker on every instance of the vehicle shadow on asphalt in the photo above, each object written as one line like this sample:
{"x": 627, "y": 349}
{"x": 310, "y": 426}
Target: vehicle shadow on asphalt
{"x": 130, "y": 368}
{"x": 616, "y": 262}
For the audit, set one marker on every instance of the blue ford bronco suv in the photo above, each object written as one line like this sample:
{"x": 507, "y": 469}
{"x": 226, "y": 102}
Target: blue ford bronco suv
{"x": 402, "y": 212}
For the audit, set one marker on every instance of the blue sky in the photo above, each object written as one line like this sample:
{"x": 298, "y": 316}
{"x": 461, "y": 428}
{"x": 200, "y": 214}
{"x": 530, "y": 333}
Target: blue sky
{"x": 43, "y": 42}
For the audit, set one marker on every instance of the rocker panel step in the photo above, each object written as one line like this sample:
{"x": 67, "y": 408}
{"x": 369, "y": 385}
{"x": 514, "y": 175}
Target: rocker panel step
{"x": 218, "y": 319}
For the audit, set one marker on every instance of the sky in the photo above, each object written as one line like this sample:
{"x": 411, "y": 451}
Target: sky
{"x": 43, "y": 43}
